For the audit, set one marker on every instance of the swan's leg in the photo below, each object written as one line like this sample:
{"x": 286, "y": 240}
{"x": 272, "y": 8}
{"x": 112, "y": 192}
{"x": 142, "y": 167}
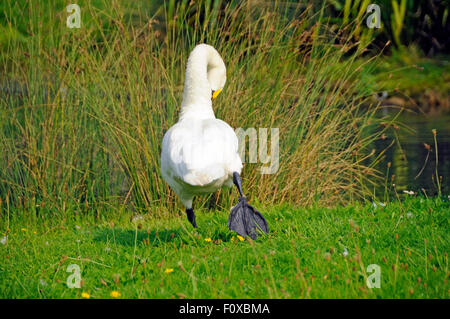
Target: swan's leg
{"x": 244, "y": 219}
{"x": 191, "y": 216}
{"x": 187, "y": 202}
{"x": 238, "y": 182}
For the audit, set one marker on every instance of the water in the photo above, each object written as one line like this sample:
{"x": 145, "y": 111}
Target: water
{"x": 413, "y": 165}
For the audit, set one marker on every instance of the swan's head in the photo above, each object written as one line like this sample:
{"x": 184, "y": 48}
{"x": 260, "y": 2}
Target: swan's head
{"x": 205, "y": 76}
{"x": 217, "y": 77}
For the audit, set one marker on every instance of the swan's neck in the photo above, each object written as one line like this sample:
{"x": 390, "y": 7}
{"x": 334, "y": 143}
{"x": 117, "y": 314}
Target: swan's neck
{"x": 197, "y": 89}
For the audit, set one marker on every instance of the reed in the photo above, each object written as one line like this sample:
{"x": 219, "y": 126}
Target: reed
{"x": 85, "y": 109}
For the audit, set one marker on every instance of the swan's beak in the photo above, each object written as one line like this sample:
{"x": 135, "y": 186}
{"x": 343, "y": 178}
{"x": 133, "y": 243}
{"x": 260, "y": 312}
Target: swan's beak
{"x": 216, "y": 93}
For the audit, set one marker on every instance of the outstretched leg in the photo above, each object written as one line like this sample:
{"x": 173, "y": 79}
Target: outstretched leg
{"x": 238, "y": 182}
{"x": 244, "y": 219}
{"x": 191, "y": 216}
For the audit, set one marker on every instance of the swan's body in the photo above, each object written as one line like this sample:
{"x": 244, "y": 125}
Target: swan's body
{"x": 199, "y": 156}
{"x": 200, "y": 153}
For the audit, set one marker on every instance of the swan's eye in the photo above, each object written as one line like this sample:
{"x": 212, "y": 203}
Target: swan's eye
{"x": 215, "y": 93}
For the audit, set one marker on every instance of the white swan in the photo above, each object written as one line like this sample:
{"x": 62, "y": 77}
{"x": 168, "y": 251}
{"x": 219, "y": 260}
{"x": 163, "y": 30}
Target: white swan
{"x": 200, "y": 152}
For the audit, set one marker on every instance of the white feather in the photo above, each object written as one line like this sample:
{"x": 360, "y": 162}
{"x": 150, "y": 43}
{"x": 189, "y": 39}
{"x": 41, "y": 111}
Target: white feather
{"x": 200, "y": 153}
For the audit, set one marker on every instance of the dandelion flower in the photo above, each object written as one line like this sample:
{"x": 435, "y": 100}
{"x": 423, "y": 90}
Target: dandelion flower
{"x": 240, "y": 238}
{"x": 24, "y": 229}
{"x": 86, "y": 295}
{"x": 115, "y": 294}
{"x": 208, "y": 239}
{"x": 168, "y": 270}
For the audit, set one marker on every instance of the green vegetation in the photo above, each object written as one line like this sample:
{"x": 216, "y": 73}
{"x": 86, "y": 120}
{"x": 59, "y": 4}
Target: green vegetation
{"x": 302, "y": 257}
{"x": 416, "y": 82}
{"x": 403, "y": 22}
{"x": 82, "y": 115}
{"x": 409, "y": 72}
{"x": 81, "y": 128}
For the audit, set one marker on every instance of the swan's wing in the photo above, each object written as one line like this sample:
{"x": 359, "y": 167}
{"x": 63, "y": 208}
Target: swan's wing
{"x": 199, "y": 152}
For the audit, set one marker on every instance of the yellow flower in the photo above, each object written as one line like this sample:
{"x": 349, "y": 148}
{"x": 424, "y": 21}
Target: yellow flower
{"x": 86, "y": 295}
{"x": 168, "y": 270}
{"x": 208, "y": 239}
{"x": 115, "y": 294}
{"x": 24, "y": 229}
{"x": 240, "y": 238}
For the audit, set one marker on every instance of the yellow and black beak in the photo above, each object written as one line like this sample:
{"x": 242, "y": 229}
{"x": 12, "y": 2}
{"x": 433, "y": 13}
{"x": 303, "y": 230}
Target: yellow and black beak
{"x": 216, "y": 93}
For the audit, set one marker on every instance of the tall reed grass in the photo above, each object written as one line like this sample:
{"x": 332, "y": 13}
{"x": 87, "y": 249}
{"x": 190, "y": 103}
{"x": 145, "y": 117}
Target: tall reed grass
{"x": 84, "y": 110}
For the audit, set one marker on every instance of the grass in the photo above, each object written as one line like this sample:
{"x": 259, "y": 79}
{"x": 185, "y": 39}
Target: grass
{"x": 408, "y": 71}
{"x": 301, "y": 257}
{"x": 421, "y": 83}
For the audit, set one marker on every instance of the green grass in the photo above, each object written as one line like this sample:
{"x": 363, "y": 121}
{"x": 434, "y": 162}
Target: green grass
{"x": 420, "y": 81}
{"x": 302, "y": 257}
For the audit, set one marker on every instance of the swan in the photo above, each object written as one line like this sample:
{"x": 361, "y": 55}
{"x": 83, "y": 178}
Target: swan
{"x": 200, "y": 152}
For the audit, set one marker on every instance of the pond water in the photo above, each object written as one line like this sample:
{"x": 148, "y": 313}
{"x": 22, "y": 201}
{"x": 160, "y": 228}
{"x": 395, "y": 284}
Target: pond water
{"x": 412, "y": 162}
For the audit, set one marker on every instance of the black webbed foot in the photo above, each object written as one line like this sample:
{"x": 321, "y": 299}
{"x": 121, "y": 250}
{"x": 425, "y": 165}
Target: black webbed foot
{"x": 191, "y": 217}
{"x": 244, "y": 219}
